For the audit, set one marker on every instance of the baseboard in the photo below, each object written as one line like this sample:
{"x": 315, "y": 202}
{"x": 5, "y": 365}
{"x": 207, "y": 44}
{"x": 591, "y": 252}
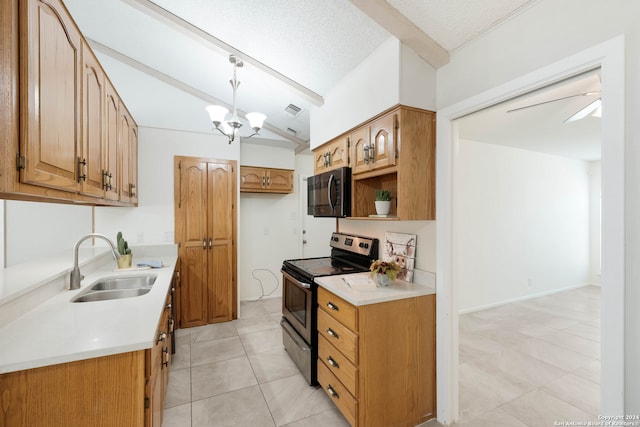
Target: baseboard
{"x": 524, "y": 298}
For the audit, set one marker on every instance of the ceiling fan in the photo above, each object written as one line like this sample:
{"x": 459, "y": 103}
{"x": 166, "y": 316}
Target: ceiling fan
{"x": 594, "y": 108}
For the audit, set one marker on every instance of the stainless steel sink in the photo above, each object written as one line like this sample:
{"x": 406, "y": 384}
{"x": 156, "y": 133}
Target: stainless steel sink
{"x": 133, "y": 282}
{"x": 116, "y": 288}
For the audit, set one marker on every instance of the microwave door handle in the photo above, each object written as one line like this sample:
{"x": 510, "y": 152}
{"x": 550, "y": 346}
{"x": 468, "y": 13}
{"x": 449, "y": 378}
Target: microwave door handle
{"x": 329, "y": 186}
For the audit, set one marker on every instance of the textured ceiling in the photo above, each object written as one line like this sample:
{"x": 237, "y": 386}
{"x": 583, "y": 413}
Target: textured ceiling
{"x": 169, "y": 59}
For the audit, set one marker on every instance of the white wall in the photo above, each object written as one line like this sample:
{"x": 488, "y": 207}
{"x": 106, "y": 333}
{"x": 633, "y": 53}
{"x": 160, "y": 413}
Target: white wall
{"x": 521, "y": 222}
{"x": 392, "y": 74}
{"x": 545, "y": 33}
{"x": 595, "y": 225}
{"x": 268, "y": 232}
{"x": 35, "y": 230}
{"x": 2, "y": 235}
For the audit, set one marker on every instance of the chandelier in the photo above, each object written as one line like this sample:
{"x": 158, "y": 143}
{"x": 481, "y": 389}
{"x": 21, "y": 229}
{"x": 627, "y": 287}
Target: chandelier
{"x": 218, "y": 113}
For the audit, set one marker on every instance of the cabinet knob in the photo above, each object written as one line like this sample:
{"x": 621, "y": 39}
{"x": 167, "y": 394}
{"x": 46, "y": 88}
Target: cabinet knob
{"x": 332, "y": 392}
{"x": 162, "y": 337}
{"x": 332, "y": 362}
{"x": 332, "y": 333}
{"x": 333, "y": 306}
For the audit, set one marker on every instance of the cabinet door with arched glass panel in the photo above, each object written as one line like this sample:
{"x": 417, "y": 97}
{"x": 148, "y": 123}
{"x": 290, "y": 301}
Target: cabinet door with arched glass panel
{"x": 382, "y": 148}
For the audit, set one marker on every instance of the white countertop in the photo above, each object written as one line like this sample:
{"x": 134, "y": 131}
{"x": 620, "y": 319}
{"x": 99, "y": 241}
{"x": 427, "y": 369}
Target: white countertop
{"x": 398, "y": 290}
{"x": 59, "y": 331}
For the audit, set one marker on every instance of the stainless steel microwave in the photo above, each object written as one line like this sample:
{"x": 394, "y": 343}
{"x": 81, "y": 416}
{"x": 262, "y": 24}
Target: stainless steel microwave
{"x": 329, "y": 193}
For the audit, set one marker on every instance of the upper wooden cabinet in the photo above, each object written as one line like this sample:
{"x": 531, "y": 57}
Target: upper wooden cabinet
{"x": 332, "y": 155}
{"x": 60, "y": 135}
{"x": 265, "y": 180}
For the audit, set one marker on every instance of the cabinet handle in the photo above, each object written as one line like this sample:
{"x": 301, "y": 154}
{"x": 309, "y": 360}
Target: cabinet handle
{"x": 168, "y": 307}
{"x": 204, "y": 243}
{"x": 366, "y": 154}
{"x": 171, "y": 325}
{"x": 264, "y": 181}
{"x": 132, "y": 190}
{"x": 332, "y": 392}
{"x": 106, "y": 180}
{"x": 332, "y": 333}
{"x": 333, "y": 306}
{"x": 268, "y": 181}
{"x": 210, "y": 243}
{"x": 82, "y": 169}
{"x": 165, "y": 356}
{"x": 162, "y": 337}
{"x": 332, "y": 362}
{"x": 372, "y": 152}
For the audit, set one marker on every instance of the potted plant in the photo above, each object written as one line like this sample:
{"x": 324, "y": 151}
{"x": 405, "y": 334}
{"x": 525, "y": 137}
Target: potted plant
{"x": 125, "y": 252}
{"x": 383, "y": 202}
{"x": 384, "y": 272}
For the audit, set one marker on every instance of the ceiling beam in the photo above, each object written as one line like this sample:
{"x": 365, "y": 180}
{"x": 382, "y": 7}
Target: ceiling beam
{"x": 153, "y": 10}
{"x": 99, "y": 47}
{"x": 404, "y": 30}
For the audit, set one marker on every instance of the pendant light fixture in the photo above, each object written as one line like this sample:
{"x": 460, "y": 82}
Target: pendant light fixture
{"x": 218, "y": 113}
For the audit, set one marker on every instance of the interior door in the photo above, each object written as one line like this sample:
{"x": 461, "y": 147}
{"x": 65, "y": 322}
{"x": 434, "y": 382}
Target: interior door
{"x": 315, "y": 232}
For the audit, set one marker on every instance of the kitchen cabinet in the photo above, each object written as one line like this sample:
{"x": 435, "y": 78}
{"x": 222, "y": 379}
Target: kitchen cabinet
{"x": 116, "y": 390}
{"x": 205, "y": 225}
{"x": 265, "y": 180}
{"x": 128, "y": 148}
{"x": 54, "y": 118}
{"x": 332, "y": 155}
{"x": 402, "y": 161}
{"x": 377, "y": 362}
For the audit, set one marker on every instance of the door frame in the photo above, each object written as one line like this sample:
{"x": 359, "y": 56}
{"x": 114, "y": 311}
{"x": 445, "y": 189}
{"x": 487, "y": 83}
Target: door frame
{"x": 609, "y": 56}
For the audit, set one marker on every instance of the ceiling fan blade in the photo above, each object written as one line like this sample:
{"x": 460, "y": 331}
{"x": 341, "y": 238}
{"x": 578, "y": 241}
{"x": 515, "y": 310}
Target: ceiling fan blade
{"x": 589, "y": 109}
{"x": 552, "y": 100}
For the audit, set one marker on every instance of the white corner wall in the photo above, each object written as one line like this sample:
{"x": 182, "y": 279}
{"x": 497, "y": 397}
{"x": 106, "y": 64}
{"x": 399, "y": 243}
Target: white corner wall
{"x": 595, "y": 225}
{"x": 521, "y": 222}
{"x": 268, "y": 231}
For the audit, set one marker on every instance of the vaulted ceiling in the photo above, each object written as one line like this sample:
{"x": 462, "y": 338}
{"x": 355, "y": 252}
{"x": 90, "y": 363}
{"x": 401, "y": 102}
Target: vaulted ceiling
{"x": 169, "y": 59}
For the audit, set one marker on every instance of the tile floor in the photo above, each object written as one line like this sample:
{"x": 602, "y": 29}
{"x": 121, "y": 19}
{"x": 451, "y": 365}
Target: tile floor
{"x": 524, "y": 364}
{"x": 533, "y": 362}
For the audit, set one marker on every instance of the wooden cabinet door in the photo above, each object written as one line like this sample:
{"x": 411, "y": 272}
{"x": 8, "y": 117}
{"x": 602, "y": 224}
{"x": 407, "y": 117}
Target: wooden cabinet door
{"x": 320, "y": 161}
{"x": 191, "y": 233}
{"x": 280, "y": 180}
{"x": 124, "y": 147}
{"x": 109, "y": 166}
{"x": 221, "y": 226}
{"x": 93, "y": 100}
{"x": 383, "y": 142}
{"x": 339, "y": 153}
{"x": 252, "y": 179}
{"x": 51, "y": 84}
{"x": 360, "y": 147}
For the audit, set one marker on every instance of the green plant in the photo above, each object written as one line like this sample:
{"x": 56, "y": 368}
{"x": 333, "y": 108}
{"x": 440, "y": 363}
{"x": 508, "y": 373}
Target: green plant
{"x": 123, "y": 246}
{"x": 383, "y": 195}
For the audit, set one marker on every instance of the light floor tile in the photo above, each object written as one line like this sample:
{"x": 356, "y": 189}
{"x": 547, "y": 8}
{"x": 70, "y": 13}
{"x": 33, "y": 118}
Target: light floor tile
{"x": 178, "y": 416}
{"x": 539, "y": 408}
{"x": 331, "y": 417}
{"x": 574, "y": 343}
{"x": 213, "y": 332}
{"x": 252, "y": 309}
{"x": 272, "y": 365}
{"x": 493, "y": 418}
{"x": 259, "y": 342}
{"x": 590, "y": 371}
{"x": 291, "y": 399}
{"x": 181, "y": 359}
{"x": 255, "y": 324}
{"x": 179, "y": 388}
{"x": 585, "y": 331}
{"x": 578, "y": 391}
{"x": 244, "y": 407}
{"x": 554, "y": 354}
{"x": 216, "y": 350}
{"x": 221, "y": 377}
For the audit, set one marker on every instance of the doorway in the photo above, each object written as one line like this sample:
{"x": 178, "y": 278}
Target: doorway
{"x": 314, "y": 232}
{"x": 610, "y": 57}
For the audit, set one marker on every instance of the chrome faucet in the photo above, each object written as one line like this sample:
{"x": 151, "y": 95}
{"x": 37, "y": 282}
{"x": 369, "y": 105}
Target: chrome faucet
{"x": 76, "y": 277}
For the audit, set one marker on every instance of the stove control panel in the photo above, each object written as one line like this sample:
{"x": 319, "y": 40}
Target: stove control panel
{"x": 357, "y": 244}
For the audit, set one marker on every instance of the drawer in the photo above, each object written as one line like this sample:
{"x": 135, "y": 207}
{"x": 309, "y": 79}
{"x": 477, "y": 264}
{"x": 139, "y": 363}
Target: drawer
{"x": 339, "y": 365}
{"x": 338, "y": 394}
{"x": 338, "y": 336}
{"x": 346, "y": 313}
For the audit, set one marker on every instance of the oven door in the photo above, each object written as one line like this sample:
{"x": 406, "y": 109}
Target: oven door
{"x": 297, "y": 304}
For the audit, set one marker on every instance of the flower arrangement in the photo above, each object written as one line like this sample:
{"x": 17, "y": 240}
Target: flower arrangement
{"x": 388, "y": 268}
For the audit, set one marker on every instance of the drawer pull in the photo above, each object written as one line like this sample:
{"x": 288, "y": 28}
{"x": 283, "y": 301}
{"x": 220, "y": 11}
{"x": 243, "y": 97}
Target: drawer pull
{"x": 332, "y": 392}
{"x": 332, "y": 362}
{"x": 333, "y": 306}
{"x": 162, "y": 337}
{"x": 332, "y": 333}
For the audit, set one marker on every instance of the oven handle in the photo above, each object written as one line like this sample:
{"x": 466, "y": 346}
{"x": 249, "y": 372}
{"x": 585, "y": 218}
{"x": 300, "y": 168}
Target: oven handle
{"x": 297, "y": 281}
{"x": 293, "y": 335}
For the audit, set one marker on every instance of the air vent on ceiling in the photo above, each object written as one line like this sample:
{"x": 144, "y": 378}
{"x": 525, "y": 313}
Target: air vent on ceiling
{"x": 292, "y": 131}
{"x": 294, "y": 110}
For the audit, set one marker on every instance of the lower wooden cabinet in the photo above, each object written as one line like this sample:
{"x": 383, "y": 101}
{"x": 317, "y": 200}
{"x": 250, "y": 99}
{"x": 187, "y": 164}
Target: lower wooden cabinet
{"x": 377, "y": 362}
{"x": 265, "y": 180}
{"x": 126, "y": 389}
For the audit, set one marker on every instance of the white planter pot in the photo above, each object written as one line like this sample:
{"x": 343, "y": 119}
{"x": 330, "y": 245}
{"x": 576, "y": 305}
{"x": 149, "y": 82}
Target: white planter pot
{"x": 383, "y": 207}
